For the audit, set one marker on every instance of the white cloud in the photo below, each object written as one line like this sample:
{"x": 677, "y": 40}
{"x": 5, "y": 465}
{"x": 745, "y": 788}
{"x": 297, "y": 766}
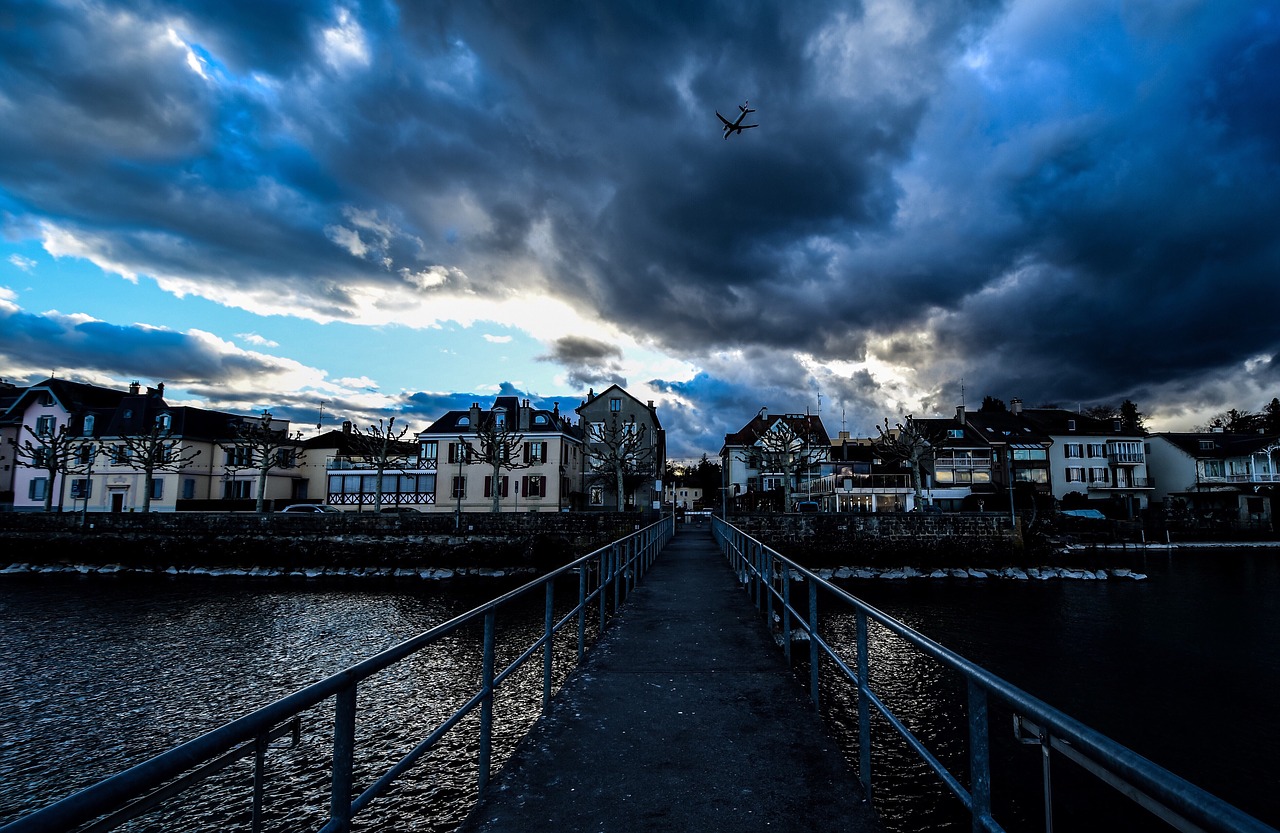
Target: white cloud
{"x": 345, "y": 44}
{"x": 493, "y": 339}
{"x": 26, "y": 264}
{"x": 257, "y": 340}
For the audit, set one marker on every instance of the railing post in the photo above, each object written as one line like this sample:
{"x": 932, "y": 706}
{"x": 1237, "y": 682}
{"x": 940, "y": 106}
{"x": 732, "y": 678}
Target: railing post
{"x": 786, "y": 613}
{"x": 344, "y": 745}
{"x": 616, "y": 557}
{"x": 582, "y": 612}
{"x": 864, "y": 707}
{"x": 259, "y": 779}
{"x": 603, "y": 587}
{"x": 486, "y": 705}
{"x": 813, "y": 643}
{"x": 979, "y": 758}
{"x": 768, "y": 591}
{"x": 547, "y": 647}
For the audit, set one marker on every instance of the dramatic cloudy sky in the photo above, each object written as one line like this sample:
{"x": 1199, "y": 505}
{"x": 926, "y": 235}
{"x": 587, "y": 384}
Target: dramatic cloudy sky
{"x": 399, "y": 208}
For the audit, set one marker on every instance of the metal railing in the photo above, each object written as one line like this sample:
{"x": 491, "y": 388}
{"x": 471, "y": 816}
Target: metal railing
{"x": 769, "y": 577}
{"x": 605, "y": 578}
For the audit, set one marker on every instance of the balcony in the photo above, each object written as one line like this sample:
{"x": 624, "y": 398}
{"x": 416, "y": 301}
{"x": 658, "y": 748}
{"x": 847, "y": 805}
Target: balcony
{"x": 352, "y": 463}
{"x": 1127, "y": 458}
{"x": 1130, "y": 483}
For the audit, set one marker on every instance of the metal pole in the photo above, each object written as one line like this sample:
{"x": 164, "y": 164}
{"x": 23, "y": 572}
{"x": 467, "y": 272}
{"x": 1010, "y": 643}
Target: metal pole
{"x": 864, "y": 707}
{"x": 786, "y": 613}
{"x": 486, "y": 705}
{"x": 813, "y": 643}
{"x": 979, "y": 759}
{"x": 259, "y": 779}
{"x": 582, "y": 612}
{"x": 344, "y": 745}
{"x": 546, "y": 648}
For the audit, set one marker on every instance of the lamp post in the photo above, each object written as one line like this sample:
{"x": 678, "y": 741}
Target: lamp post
{"x": 457, "y": 484}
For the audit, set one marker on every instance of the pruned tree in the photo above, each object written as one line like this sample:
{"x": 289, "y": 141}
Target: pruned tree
{"x": 1234, "y": 421}
{"x": 910, "y": 442}
{"x": 51, "y": 449}
{"x": 618, "y": 451}
{"x": 155, "y": 451}
{"x": 494, "y": 444}
{"x": 788, "y": 452}
{"x": 384, "y": 446}
{"x": 256, "y": 443}
{"x": 1131, "y": 419}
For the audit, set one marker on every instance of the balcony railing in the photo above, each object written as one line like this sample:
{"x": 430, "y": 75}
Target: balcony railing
{"x": 350, "y": 463}
{"x": 848, "y": 484}
{"x": 1127, "y": 457}
{"x": 1131, "y": 483}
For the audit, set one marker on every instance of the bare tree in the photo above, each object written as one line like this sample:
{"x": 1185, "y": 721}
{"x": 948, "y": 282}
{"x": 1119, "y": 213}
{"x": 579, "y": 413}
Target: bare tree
{"x": 910, "y": 442}
{"x": 263, "y": 447}
{"x": 499, "y": 447}
{"x": 788, "y": 452}
{"x": 384, "y": 446}
{"x": 618, "y": 450}
{"x": 155, "y": 451}
{"x": 54, "y": 451}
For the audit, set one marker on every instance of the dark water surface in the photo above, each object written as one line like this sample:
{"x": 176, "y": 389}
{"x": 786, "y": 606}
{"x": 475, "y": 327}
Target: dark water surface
{"x": 1182, "y": 668}
{"x": 99, "y": 673}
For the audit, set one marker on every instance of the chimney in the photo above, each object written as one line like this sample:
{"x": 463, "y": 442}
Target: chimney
{"x": 764, "y": 413}
{"x": 522, "y": 416}
{"x": 474, "y": 416}
{"x": 134, "y": 387}
{"x": 960, "y": 417}
{"x": 160, "y": 389}
{"x": 1015, "y": 406}
{"x": 346, "y": 426}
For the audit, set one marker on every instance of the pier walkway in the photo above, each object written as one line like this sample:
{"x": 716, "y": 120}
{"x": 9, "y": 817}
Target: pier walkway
{"x": 683, "y": 717}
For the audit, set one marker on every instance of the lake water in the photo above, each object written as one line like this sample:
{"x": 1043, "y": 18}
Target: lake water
{"x": 100, "y": 673}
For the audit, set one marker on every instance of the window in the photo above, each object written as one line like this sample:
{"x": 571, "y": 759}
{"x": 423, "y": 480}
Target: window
{"x": 239, "y": 456}
{"x": 36, "y": 488}
{"x": 1214, "y": 468}
{"x": 1075, "y": 475}
{"x": 597, "y": 496}
{"x": 1032, "y": 475}
{"x": 45, "y": 426}
{"x": 164, "y": 422}
{"x": 534, "y": 486}
{"x": 286, "y": 457}
{"x": 1073, "y": 450}
{"x": 500, "y": 419}
{"x": 540, "y": 419}
{"x": 502, "y": 486}
{"x": 464, "y": 421}
{"x": 457, "y": 454}
{"x": 84, "y": 454}
{"x": 1030, "y": 454}
{"x": 88, "y": 425}
{"x": 955, "y": 433}
{"x": 236, "y": 489}
{"x": 429, "y": 454}
{"x": 459, "y": 487}
{"x": 157, "y": 488}
{"x": 1098, "y": 476}
{"x": 1206, "y": 445}
{"x": 188, "y": 488}
{"x": 615, "y": 405}
{"x": 1071, "y": 425}
{"x": 597, "y": 431}
{"x": 1097, "y": 449}
{"x": 81, "y": 489}
{"x": 535, "y": 452}
{"x": 120, "y": 455}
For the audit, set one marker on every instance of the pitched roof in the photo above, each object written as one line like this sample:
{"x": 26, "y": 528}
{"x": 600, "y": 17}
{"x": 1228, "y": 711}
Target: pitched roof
{"x": 1222, "y": 445}
{"x": 805, "y": 425}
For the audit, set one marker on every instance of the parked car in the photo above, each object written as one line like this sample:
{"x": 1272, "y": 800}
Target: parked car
{"x": 309, "y": 509}
{"x": 807, "y": 506}
{"x": 399, "y": 510}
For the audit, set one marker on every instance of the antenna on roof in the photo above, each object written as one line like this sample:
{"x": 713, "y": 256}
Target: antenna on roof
{"x": 320, "y": 421}
{"x": 961, "y": 391}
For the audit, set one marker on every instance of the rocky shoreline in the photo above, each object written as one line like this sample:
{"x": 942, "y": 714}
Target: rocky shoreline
{"x": 1014, "y": 573}
{"x": 312, "y": 573}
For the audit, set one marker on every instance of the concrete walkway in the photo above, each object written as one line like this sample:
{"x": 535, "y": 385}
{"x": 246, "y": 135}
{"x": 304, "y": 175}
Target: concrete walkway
{"x": 683, "y": 718}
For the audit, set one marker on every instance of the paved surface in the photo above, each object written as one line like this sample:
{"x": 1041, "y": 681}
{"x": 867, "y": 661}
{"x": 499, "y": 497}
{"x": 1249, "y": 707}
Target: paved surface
{"x": 683, "y": 718}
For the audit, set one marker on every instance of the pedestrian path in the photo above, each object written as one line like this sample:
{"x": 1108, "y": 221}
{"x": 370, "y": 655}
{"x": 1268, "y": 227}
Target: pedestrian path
{"x": 684, "y": 717}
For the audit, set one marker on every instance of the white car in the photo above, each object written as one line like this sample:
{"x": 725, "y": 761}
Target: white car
{"x": 309, "y": 509}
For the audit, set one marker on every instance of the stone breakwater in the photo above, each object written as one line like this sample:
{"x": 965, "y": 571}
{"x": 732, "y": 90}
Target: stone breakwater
{"x": 312, "y": 573}
{"x": 1013, "y": 573}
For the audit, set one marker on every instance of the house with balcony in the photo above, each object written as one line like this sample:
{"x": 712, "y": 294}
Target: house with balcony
{"x": 540, "y": 459}
{"x": 1019, "y": 453}
{"x": 773, "y": 458}
{"x": 343, "y": 468}
{"x": 1215, "y": 476}
{"x": 958, "y": 475}
{"x": 1094, "y": 462}
{"x": 855, "y": 478}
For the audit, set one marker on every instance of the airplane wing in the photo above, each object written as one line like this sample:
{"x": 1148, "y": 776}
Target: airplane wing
{"x": 745, "y": 126}
{"x": 723, "y": 119}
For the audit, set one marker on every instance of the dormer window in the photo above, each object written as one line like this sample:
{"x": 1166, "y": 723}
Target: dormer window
{"x": 164, "y": 422}
{"x": 540, "y": 419}
{"x": 464, "y": 420}
{"x": 955, "y": 433}
{"x": 1071, "y": 425}
{"x": 88, "y": 425}
{"x": 500, "y": 419}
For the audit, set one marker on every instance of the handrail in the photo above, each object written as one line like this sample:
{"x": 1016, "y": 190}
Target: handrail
{"x": 616, "y": 566}
{"x": 1176, "y": 801}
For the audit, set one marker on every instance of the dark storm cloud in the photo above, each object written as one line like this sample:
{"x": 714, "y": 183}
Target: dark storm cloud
{"x": 589, "y": 363}
{"x": 1068, "y": 201}
{"x": 48, "y": 341}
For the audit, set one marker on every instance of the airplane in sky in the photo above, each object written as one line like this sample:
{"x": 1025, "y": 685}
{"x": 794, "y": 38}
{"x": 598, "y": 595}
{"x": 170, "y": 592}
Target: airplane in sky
{"x": 736, "y": 126}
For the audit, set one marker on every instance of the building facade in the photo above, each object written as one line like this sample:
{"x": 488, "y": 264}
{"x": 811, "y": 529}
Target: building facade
{"x": 625, "y": 452}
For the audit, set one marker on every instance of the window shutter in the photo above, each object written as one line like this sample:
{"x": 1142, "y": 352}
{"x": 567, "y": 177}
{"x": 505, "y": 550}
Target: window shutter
{"x": 527, "y": 449}
{"x": 542, "y": 486}
{"x": 505, "y": 480}
{"x": 488, "y": 486}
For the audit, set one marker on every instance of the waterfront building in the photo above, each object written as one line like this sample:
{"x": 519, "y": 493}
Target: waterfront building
{"x": 773, "y": 460}
{"x": 538, "y": 453}
{"x": 958, "y": 475}
{"x": 856, "y": 478}
{"x": 681, "y": 496}
{"x": 10, "y": 424}
{"x": 1215, "y": 476}
{"x": 343, "y": 468}
{"x": 625, "y": 451}
{"x": 116, "y": 451}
